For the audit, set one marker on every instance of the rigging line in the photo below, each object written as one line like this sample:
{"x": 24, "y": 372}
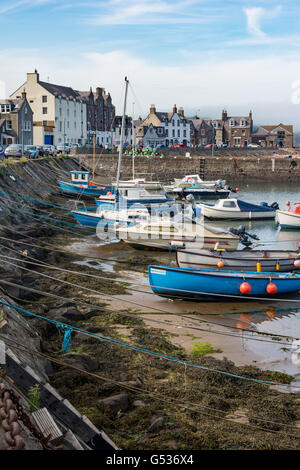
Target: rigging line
{"x": 31, "y": 210}
{"x": 116, "y": 298}
{"x": 35, "y": 201}
{"x": 161, "y": 322}
{"x": 155, "y": 396}
{"x": 146, "y": 351}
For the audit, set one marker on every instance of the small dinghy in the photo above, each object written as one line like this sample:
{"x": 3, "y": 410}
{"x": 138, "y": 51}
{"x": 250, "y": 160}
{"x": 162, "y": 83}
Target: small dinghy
{"x": 289, "y": 218}
{"x": 261, "y": 260}
{"x": 193, "y": 184}
{"x": 179, "y": 283}
{"x": 238, "y": 210}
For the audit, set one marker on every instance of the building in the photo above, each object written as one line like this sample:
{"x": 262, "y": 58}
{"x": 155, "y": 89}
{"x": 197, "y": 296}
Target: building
{"x": 164, "y": 128}
{"x": 59, "y": 112}
{"x": 202, "y": 132}
{"x": 129, "y": 134}
{"x": 100, "y": 116}
{"x": 237, "y": 130}
{"x": 16, "y": 121}
{"x": 280, "y": 135}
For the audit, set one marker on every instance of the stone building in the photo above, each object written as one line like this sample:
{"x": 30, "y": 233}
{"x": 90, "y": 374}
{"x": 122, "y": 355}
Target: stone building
{"x": 237, "y": 130}
{"x": 59, "y": 112}
{"x": 16, "y": 121}
{"x": 166, "y": 128}
{"x": 100, "y": 116}
{"x": 202, "y": 132}
{"x": 280, "y": 135}
{"x": 128, "y": 134}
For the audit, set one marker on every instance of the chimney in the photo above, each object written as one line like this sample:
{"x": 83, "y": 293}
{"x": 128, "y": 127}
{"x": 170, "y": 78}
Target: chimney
{"x": 152, "y": 109}
{"x": 174, "y": 109}
{"x": 33, "y": 77}
{"x": 181, "y": 111}
{"x": 23, "y": 95}
{"x": 98, "y": 91}
{"x": 224, "y": 115}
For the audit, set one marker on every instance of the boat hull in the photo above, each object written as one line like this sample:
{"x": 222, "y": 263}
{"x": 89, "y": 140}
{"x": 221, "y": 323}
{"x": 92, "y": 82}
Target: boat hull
{"x": 243, "y": 260}
{"x": 164, "y": 244}
{"x": 75, "y": 190}
{"x": 181, "y": 283}
{"x": 288, "y": 220}
{"x": 203, "y": 193}
{"x": 212, "y": 213}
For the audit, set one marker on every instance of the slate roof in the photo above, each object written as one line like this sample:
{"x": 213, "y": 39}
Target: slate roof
{"x": 265, "y": 130}
{"x": 58, "y": 90}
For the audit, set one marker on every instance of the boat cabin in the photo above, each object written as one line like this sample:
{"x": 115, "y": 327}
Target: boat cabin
{"x": 227, "y": 204}
{"x": 80, "y": 178}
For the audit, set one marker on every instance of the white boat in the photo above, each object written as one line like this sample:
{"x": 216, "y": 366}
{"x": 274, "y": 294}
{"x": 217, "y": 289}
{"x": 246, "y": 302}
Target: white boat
{"x": 163, "y": 234}
{"x": 193, "y": 184}
{"x": 196, "y": 180}
{"x": 152, "y": 185}
{"x": 289, "y": 218}
{"x": 269, "y": 260}
{"x": 237, "y": 209}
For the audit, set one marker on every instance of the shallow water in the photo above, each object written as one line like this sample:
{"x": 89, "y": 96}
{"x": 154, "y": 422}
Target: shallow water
{"x": 268, "y": 316}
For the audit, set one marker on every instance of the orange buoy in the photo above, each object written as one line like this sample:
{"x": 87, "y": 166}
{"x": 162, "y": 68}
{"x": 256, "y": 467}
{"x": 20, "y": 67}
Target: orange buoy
{"x": 271, "y": 288}
{"x": 108, "y": 194}
{"x": 245, "y": 288}
{"x": 237, "y": 189}
{"x": 288, "y": 203}
{"x": 297, "y": 263}
{"x": 277, "y": 266}
{"x": 220, "y": 264}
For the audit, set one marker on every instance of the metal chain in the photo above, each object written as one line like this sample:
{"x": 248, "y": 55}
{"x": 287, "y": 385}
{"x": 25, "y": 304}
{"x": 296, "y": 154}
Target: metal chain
{"x": 10, "y": 423}
{"x": 23, "y": 416}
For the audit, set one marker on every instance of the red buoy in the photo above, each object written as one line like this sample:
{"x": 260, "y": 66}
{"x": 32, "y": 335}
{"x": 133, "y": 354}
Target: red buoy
{"x": 245, "y": 288}
{"x": 297, "y": 263}
{"x": 237, "y": 190}
{"x": 288, "y": 203}
{"x": 271, "y": 288}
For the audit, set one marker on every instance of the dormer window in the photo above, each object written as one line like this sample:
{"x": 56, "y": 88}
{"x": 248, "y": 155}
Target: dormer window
{"x": 232, "y": 123}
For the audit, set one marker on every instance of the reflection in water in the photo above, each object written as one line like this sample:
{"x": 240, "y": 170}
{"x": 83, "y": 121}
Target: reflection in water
{"x": 271, "y": 313}
{"x": 244, "y": 322}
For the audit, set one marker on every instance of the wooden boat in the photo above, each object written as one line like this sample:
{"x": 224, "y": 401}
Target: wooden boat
{"x": 239, "y": 210}
{"x": 81, "y": 185}
{"x": 265, "y": 260}
{"x": 162, "y": 234}
{"x": 290, "y": 218}
{"x": 192, "y": 284}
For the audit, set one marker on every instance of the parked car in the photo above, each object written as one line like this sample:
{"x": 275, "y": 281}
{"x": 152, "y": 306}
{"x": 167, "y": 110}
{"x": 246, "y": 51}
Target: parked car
{"x": 254, "y": 146}
{"x": 13, "y": 150}
{"x": 50, "y": 150}
{"x": 64, "y": 148}
{"x": 31, "y": 151}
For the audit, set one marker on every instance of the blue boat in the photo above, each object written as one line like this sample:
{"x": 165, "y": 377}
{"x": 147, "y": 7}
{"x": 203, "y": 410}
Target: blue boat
{"x": 180, "y": 283}
{"x": 82, "y": 186}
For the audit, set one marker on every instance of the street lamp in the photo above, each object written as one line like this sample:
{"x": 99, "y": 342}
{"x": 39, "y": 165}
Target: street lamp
{"x": 213, "y": 141}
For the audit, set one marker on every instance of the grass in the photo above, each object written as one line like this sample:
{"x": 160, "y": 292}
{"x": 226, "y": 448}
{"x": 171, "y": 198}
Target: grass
{"x": 202, "y": 349}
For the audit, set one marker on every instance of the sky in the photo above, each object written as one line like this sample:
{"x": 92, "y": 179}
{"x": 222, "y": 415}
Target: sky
{"x": 202, "y": 55}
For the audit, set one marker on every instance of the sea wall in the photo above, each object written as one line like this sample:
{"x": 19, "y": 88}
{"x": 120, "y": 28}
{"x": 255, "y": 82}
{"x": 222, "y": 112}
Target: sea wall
{"x": 258, "y": 167}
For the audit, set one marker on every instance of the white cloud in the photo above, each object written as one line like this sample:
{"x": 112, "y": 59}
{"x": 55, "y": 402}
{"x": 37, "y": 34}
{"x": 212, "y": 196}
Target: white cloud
{"x": 8, "y": 7}
{"x": 256, "y": 15}
{"x": 149, "y": 12}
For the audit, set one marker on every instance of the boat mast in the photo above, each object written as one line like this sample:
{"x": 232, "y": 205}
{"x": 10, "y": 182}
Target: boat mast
{"x": 94, "y": 150}
{"x": 133, "y": 142}
{"x": 122, "y": 136}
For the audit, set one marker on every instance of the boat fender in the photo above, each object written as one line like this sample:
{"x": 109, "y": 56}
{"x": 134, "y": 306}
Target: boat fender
{"x": 176, "y": 244}
{"x": 245, "y": 288}
{"x": 297, "y": 263}
{"x": 271, "y": 288}
{"x": 220, "y": 264}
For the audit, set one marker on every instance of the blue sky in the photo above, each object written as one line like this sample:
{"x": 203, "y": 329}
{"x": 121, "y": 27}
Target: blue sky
{"x": 202, "y": 55}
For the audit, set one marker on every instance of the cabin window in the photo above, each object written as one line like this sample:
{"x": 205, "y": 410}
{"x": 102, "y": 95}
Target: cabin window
{"x": 83, "y": 177}
{"x": 229, "y": 204}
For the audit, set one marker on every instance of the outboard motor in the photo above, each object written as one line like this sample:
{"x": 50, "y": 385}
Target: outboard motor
{"x": 243, "y": 235}
{"x": 274, "y": 205}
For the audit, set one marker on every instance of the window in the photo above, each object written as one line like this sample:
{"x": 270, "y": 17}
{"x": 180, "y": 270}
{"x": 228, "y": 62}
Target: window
{"x": 8, "y": 125}
{"x": 202, "y": 131}
{"x": 229, "y": 204}
{"x": 184, "y": 133}
{"x": 60, "y": 126}
{"x": 60, "y": 112}
{"x": 27, "y": 126}
{"x": 173, "y": 133}
{"x": 178, "y": 133}
{"x": 45, "y": 123}
{"x": 232, "y": 123}
{"x": 25, "y": 110}
{"x": 44, "y": 98}
{"x": 45, "y": 110}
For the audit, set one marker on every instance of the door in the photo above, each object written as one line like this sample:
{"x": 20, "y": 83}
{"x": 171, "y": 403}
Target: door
{"x": 48, "y": 139}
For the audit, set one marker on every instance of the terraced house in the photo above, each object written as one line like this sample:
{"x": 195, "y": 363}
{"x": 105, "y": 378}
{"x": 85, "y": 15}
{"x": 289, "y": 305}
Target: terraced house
{"x": 59, "y": 112}
{"x": 164, "y": 128}
{"x": 16, "y": 121}
{"x": 278, "y": 135}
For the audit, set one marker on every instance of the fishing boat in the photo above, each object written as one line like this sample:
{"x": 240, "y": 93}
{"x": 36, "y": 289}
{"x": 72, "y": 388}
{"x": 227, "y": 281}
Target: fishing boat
{"x": 239, "y": 210}
{"x": 81, "y": 185}
{"x": 165, "y": 234}
{"x": 180, "y": 283}
{"x": 290, "y": 218}
{"x": 127, "y": 196}
{"x": 262, "y": 260}
{"x": 193, "y": 184}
